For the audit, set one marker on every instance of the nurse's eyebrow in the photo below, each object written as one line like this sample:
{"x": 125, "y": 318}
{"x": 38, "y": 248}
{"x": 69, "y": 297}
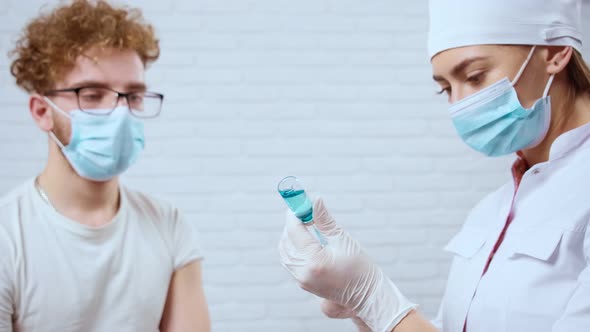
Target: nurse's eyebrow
{"x": 460, "y": 67}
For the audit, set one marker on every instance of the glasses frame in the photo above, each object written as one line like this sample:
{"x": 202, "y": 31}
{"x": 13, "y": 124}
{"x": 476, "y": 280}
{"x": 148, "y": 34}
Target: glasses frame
{"x": 119, "y": 95}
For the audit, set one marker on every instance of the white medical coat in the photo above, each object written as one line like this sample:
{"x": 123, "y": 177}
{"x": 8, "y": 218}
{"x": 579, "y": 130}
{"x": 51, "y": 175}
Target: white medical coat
{"x": 539, "y": 278}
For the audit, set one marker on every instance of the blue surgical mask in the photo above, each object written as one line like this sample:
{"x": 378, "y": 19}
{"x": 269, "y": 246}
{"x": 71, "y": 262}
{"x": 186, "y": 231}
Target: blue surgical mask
{"x": 494, "y": 122}
{"x": 101, "y": 147}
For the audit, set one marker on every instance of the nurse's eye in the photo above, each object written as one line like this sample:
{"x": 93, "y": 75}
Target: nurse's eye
{"x": 476, "y": 79}
{"x": 446, "y": 90}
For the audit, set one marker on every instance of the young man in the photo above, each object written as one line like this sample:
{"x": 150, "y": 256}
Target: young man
{"x": 78, "y": 250}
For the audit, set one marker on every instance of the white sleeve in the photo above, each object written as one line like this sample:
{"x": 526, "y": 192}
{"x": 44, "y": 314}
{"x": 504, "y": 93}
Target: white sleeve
{"x": 186, "y": 245}
{"x": 576, "y": 317}
{"x": 6, "y": 297}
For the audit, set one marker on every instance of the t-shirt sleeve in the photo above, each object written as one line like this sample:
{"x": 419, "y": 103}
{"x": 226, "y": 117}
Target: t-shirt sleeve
{"x": 186, "y": 245}
{"x": 5, "y": 296}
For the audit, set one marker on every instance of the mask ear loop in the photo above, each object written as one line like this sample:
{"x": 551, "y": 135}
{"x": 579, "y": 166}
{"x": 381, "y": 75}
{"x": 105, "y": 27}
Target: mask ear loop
{"x": 56, "y": 140}
{"x": 548, "y": 86}
{"x": 51, "y": 134}
{"x": 524, "y": 65}
{"x": 55, "y": 107}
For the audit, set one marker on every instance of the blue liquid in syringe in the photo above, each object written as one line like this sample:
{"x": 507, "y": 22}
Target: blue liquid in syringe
{"x": 299, "y": 203}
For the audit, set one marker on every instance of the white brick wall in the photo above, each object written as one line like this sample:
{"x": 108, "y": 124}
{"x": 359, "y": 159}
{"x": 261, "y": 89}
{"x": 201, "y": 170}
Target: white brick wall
{"x": 337, "y": 92}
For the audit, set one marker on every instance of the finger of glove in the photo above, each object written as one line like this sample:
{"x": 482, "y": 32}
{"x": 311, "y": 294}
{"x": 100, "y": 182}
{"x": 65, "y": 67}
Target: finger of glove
{"x": 323, "y": 220}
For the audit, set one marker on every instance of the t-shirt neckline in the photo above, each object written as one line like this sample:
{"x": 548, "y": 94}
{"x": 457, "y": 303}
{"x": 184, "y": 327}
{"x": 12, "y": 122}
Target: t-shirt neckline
{"x": 76, "y": 227}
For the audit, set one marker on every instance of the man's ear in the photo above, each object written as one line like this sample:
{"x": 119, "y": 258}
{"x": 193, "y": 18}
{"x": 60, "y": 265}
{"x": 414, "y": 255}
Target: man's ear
{"x": 41, "y": 112}
{"x": 557, "y": 58}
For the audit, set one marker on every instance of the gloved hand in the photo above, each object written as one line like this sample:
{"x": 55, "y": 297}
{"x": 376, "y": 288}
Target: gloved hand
{"x": 341, "y": 272}
{"x": 335, "y": 310}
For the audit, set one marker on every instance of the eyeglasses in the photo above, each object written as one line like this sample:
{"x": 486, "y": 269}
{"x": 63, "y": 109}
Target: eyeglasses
{"x": 103, "y": 101}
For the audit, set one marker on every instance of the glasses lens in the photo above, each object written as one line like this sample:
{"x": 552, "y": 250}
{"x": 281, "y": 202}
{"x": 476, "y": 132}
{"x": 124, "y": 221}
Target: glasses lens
{"x": 145, "y": 104}
{"x": 97, "y": 100}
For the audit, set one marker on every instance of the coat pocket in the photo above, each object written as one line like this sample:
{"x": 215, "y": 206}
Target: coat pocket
{"x": 467, "y": 242}
{"x": 540, "y": 243}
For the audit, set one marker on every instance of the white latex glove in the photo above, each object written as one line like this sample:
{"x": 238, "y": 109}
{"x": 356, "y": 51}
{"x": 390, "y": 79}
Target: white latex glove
{"x": 335, "y": 310}
{"x": 341, "y": 272}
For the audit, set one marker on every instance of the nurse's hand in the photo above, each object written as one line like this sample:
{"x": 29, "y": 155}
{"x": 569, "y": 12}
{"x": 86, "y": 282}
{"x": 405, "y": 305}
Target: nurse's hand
{"x": 341, "y": 271}
{"x": 337, "y": 311}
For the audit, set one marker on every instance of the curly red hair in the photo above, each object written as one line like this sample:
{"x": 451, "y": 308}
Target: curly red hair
{"x": 50, "y": 44}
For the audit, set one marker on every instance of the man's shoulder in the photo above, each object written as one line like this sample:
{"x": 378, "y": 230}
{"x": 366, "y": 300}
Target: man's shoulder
{"x": 15, "y": 195}
{"x": 153, "y": 213}
{"x": 11, "y": 201}
{"x": 140, "y": 202}
{"x": 11, "y": 205}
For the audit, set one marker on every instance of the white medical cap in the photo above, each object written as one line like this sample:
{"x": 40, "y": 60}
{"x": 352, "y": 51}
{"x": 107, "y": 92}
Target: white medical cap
{"x": 456, "y": 23}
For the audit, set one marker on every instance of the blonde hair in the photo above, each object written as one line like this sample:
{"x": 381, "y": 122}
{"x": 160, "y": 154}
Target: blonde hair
{"x": 579, "y": 74}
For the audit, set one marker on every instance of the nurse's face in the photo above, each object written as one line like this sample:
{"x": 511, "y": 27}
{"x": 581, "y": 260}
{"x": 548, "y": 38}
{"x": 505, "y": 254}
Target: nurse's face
{"x": 463, "y": 71}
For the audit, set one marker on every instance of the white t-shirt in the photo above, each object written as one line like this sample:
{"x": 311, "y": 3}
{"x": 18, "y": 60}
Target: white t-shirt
{"x": 59, "y": 275}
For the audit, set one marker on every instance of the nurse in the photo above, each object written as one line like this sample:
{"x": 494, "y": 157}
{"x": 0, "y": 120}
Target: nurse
{"x": 516, "y": 84}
